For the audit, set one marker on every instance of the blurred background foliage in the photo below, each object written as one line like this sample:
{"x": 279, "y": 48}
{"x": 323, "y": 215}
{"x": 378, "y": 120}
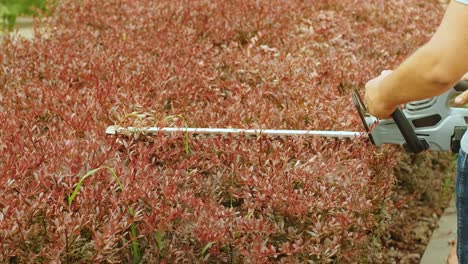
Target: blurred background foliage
{"x": 11, "y": 9}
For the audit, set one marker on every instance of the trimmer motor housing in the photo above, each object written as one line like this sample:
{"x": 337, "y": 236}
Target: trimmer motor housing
{"x": 433, "y": 123}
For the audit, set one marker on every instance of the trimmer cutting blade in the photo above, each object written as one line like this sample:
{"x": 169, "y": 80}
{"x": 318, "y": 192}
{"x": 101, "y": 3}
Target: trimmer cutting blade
{"x": 427, "y": 124}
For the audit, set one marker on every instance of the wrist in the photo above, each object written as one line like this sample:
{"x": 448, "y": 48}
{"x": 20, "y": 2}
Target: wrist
{"x": 386, "y": 93}
{"x": 381, "y": 98}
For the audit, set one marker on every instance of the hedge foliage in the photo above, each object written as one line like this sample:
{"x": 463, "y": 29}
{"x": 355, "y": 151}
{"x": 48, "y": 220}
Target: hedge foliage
{"x": 240, "y": 63}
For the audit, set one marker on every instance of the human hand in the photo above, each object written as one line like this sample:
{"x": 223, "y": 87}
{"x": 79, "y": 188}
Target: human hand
{"x": 376, "y": 105}
{"x": 462, "y": 98}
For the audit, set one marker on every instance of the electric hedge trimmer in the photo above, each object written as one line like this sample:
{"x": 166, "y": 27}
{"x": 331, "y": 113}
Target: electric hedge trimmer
{"x": 430, "y": 124}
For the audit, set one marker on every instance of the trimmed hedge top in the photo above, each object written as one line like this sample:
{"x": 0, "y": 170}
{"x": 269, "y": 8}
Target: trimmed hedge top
{"x": 260, "y": 64}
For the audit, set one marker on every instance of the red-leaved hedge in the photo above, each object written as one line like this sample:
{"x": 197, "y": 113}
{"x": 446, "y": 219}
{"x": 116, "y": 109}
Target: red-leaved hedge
{"x": 199, "y": 63}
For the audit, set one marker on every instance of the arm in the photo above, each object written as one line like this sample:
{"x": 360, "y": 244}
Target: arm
{"x": 430, "y": 71}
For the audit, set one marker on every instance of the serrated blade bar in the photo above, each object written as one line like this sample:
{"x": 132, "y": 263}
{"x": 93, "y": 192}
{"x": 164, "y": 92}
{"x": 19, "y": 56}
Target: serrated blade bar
{"x": 113, "y": 130}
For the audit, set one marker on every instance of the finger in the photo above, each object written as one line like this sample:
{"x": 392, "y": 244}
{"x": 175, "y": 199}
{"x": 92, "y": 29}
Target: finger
{"x": 385, "y": 72}
{"x": 465, "y": 77}
{"x": 462, "y": 98}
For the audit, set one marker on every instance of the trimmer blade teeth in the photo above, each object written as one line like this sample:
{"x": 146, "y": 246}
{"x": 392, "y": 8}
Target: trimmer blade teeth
{"x": 111, "y": 130}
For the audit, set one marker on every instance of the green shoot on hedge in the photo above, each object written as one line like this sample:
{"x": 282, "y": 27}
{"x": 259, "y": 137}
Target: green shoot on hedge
{"x": 133, "y": 230}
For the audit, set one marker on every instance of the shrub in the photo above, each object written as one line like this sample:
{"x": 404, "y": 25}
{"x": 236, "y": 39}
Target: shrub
{"x": 264, "y": 64}
{"x": 10, "y": 10}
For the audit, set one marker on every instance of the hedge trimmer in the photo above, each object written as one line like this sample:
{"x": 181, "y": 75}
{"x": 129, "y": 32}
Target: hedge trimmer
{"x": 426, "y": 124}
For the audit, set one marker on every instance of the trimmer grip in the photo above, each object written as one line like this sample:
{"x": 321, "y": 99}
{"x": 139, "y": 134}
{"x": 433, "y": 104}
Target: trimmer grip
{"x": 413, "y": 144}
{"x": 461, "y": 86}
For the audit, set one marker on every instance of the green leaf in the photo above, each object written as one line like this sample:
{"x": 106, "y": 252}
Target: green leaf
{"x": 208, "y": 246}
{"x": 133, "y": 231}
{"x": 11, "y": 9}
{"x": 135, "y": 246}
{"x": 159, "y": 240}
{"x": 89, "y": 174}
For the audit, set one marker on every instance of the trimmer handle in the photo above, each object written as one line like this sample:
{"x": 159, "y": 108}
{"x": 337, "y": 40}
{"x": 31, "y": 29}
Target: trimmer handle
{"x": 413, "y": 143}
{"x": 461, "y": 86}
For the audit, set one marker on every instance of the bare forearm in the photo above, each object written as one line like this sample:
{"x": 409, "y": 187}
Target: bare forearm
{"x": 430, "y": 71}
{"x": 421, "y": 76}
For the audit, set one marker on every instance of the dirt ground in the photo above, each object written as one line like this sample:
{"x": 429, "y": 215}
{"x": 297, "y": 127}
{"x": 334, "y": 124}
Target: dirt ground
{"x": 426, "y": 185}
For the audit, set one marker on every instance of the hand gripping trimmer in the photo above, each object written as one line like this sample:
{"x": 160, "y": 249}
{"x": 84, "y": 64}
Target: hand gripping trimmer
{"x": 426, "y": 124}
{"x": 429, "y": 124}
